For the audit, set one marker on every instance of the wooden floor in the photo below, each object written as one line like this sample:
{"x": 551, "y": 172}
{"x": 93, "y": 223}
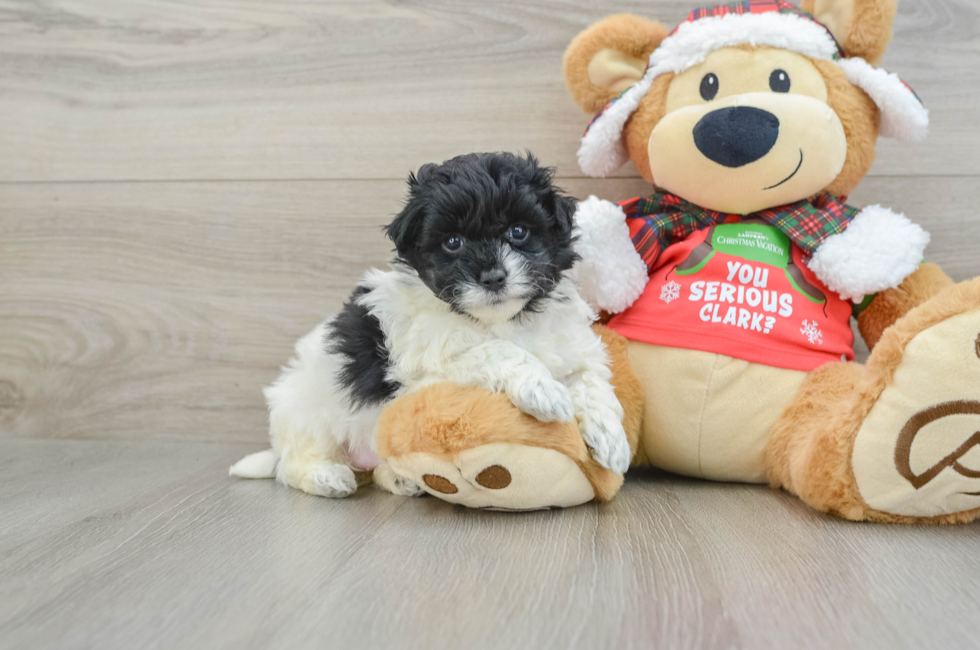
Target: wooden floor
{"x": 111, "y": 544}
{"x": 187, "y": 187}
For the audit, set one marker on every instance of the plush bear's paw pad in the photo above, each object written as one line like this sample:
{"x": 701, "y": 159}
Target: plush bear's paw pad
{"x": 917, "y": 453}
{"x": 499, "y": 476}
{"x": 334, "y": 481}
{"x": 546, "y": 400}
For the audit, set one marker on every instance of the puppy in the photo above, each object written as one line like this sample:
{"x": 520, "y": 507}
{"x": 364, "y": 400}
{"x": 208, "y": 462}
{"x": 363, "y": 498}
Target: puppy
{"x": 480, "y": 294}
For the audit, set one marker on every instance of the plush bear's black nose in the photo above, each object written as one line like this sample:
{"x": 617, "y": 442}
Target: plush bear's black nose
{"x": 494, "y": 279}
{"x": 737, "y": 135}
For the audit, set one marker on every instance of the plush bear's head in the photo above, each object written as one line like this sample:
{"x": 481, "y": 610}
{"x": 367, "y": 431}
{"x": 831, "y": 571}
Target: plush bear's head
{"x": 745, "y": 106}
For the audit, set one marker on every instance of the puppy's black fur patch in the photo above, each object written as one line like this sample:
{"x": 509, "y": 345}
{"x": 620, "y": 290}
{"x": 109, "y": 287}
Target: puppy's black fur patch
{"x": 480, "y": 197}
{"x": 356, "y": 336}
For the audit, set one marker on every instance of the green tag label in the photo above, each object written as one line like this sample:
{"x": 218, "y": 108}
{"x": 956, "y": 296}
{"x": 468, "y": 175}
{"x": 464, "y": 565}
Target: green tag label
{"x": 755, "y": 242}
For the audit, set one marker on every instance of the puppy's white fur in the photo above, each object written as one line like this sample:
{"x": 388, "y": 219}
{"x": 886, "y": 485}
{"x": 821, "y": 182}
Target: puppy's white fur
{"x": 550, "y": 364}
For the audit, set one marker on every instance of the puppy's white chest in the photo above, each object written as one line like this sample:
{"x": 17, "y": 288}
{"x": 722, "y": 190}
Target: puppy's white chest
{"x": 427, "y": 340}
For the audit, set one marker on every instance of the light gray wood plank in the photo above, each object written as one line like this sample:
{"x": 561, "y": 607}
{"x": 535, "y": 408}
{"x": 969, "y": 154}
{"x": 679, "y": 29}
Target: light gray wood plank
{"x": 194, "y": 559}
{"x": 44, "y": 485}
{"x": 159, "y": 310}
{"x": 162, "y": 89}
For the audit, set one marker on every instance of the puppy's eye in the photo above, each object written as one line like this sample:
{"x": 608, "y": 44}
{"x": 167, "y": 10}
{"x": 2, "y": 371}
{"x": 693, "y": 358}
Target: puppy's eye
{"x": 518, "y": 234}
{"x": 709, "y": 86}
{"x": 779, "y": 81}
{"x": 453, "y": 244}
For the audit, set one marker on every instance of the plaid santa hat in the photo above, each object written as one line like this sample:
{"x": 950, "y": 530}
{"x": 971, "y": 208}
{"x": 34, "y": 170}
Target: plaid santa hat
{"x": 756, "y": 22}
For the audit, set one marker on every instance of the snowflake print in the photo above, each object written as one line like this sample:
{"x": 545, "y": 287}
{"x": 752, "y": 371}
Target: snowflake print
{"x": 811, "y": 332}
{"x": 670, "y": 292}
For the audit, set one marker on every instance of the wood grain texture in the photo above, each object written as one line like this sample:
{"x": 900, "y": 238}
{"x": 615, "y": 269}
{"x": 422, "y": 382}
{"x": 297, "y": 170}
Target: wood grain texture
{"x": 169, "y": 89}
{"x": 179, "y": 201}
{"x": 159, "y": 310}
{"x": 165, "y": 551}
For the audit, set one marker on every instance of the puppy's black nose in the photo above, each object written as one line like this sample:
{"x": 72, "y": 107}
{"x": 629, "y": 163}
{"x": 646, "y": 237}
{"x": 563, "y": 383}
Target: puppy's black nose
{"x": 494, "y": 279}
{"x": 737, "y": 135}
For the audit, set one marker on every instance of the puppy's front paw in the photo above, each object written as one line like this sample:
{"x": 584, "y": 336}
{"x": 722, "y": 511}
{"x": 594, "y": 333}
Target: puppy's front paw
{"x": 386, "y": 479}
{"x": 545, "y": 399}
{"x": 333, "y": 480}
{"x": 606, "y": 439}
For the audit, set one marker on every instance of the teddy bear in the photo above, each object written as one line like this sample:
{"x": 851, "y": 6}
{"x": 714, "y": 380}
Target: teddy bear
{"x": 730, "y": 289}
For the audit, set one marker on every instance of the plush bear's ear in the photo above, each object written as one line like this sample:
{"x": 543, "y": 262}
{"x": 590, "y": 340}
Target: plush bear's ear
{"x": 608, "y": 57}
{"x": 862, "y": 27}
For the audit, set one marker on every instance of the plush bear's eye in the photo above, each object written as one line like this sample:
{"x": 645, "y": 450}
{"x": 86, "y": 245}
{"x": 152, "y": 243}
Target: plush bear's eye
{"x": 779, "y": 81}
{"x": 453, "y": 244}
{"x": 709, "y": 86}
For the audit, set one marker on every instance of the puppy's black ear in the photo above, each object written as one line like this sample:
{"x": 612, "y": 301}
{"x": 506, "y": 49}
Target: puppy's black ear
{"x": 565, "y": 207}
{"x": 541, "y": 180}
{"x": 536, "y": 176}
{"x": 405, "y": 228}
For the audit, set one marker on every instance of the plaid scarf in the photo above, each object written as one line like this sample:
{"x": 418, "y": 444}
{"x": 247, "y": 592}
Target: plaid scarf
{"x": 663, "y": 219}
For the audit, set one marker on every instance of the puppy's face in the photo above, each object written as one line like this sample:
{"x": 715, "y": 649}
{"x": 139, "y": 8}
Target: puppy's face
{"x": 487, "y": 233}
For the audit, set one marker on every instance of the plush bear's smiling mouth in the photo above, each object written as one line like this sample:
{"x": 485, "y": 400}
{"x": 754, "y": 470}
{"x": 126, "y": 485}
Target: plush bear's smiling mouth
{"x": 788, "y": 177}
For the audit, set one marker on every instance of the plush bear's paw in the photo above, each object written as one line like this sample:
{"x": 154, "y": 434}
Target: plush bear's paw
{"x": 332, "y": 480}
{"x": 917, "y": 453}
{"x": 543, "y": 398}
{"x": 878, "y": 250}
{"x": 499, "y": 476}
{"x": 386, "y": 479}
{"x": 603, "y": 433}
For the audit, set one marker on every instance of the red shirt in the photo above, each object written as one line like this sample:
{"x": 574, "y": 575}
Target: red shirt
{"x": 741, "y": 289}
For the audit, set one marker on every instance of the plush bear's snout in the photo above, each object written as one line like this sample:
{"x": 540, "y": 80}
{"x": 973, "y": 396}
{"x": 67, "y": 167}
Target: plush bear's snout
{"x": 737, "y": 135}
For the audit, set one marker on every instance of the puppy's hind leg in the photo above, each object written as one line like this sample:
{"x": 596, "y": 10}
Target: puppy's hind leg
{"x": 305, "y": 413}
{"x": 324, "y": 479}
{"x": 315, "y": 471}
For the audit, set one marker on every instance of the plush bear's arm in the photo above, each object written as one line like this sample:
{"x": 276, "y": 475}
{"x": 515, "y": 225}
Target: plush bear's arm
{"x": 611, "y": 274}
{"x": 878, "y": 250}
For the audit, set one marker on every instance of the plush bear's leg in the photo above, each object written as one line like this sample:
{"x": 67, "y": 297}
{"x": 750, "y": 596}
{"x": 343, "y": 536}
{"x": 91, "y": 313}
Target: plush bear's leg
{"x": 897, "y": 440}
{"x": 808, "y": 452}
{"x": 471, "y": 446}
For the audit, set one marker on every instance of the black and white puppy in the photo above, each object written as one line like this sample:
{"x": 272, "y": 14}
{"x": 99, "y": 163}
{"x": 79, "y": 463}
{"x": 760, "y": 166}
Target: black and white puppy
{"x": 480, "y": 294}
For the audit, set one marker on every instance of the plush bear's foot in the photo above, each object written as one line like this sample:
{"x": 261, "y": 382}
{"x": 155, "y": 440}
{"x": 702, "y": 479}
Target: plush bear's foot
{"x": 899, "y": 439}
{"x": 917, "y": 453}
{"x": 473, "y": 447}
{"x": 499, "y": 476}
